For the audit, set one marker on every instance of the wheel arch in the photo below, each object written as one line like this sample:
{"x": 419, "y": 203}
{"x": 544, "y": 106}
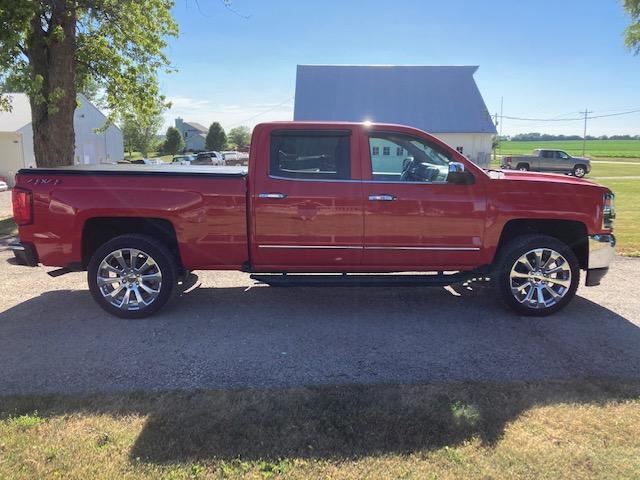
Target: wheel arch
{"x": 571, "y": 232}
{"x": 98, "y": 230}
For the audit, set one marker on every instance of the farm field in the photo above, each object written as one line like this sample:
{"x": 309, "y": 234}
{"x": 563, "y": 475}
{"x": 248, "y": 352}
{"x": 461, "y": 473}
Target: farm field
{"x": 594, "y": 148}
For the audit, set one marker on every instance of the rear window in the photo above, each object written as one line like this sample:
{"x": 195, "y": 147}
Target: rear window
{"x": 306, "y": 154}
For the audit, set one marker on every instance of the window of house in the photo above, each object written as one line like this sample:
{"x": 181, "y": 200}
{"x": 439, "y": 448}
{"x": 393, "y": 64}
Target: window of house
{"x": 460, "y": 149}
{"x": 375, "y": 151}
{"x": 421, "y": 162}
{"x": 386, "y": 151}
{"x": 399, "y": 151}
{"x": 311, "y": 154}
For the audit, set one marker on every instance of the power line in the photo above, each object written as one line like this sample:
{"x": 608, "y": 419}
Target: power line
{"x": 262, "y": 113}
{"x": 581, "y": 118}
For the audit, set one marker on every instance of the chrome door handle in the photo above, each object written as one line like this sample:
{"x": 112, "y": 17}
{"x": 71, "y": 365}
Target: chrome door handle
{"x": 382, "y": 198}
{"x": 273, "y": 195}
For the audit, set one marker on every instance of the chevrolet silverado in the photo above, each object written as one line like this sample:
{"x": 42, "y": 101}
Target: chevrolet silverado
{"x": 314, "y": 207}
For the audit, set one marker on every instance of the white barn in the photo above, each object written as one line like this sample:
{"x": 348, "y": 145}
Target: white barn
{"x": 16, "y": 137}
{"x": 441, "y": 100}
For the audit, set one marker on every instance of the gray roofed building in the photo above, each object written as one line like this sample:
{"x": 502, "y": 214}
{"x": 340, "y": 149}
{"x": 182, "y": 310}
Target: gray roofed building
{"x": 442, "y": 100}
{"x": 193, "y": 133}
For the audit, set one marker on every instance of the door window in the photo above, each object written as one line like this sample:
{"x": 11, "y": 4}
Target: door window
{"x": 310, "y": 154}
{"x": 562, "y": 155}
{"x": 420, "y": 162}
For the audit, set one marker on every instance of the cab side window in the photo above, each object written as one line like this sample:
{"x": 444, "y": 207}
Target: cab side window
{"x": 417, "y": 161}
{"x": 306, "y": 154}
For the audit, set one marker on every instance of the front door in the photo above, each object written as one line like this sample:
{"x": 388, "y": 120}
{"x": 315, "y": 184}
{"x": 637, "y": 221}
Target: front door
{"x": 307, "y": 205}
{"x": 414, "y": 219}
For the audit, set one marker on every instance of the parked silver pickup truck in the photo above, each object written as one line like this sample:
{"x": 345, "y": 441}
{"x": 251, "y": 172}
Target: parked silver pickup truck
{"x": 549, "y": 161}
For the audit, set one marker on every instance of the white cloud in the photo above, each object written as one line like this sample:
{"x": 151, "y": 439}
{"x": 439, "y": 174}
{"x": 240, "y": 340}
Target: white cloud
{"x": 229, "y": 115}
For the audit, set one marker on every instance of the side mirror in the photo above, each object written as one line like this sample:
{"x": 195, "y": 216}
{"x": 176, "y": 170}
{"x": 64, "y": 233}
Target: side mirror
{"x": 456, "y": 167}
{"x": 458, "y": 175}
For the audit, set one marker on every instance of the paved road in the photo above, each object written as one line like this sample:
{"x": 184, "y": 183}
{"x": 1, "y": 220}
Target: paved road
{"x": 229, "y": 333}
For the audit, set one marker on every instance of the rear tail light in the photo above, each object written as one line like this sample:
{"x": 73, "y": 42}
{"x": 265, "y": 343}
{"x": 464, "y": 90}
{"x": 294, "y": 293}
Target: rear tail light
{"x": 22, "y": 206}
{"x": 608, "y": 211}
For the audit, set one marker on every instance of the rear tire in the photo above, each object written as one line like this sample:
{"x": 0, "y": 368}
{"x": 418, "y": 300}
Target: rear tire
{"x": 523, "y": 167}
{"x": 132, "y": 276}
{"x": 579, "y": 171}
{"x": 536, "y": 275}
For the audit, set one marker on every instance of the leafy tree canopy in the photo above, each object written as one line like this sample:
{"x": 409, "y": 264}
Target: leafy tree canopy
{"x": 632, "y": 33}
{"x": 216, "y": 138}
{"x": 240, "y": 136}
{"x": 174, "y": 142}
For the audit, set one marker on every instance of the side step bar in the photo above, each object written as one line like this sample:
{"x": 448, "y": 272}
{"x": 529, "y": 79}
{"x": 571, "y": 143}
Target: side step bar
{"x": 356, "y": 280}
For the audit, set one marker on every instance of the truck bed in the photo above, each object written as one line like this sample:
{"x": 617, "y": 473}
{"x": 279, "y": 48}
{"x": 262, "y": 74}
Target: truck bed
{"x": 203, "y": 206}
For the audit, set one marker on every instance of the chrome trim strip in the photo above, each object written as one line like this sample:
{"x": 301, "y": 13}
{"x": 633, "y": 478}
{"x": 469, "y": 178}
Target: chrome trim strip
{"x": 16, "y": 247}
{"x": 350, "y": 247}
{"x": 276, "y": 177}
{"x": 320, "y": 247}
{"x": 463, "y": 249}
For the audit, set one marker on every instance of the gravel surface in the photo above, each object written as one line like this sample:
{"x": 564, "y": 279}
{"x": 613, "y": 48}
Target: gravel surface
{"x": 6, "y": 209}
{"x": 231, "y": 333}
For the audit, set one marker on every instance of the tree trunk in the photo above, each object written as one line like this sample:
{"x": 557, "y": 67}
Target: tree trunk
{"x": 51, "y": 54}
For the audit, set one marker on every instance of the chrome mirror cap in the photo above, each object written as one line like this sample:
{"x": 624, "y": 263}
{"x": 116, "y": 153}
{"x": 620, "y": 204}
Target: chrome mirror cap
{"x": 456, "y": 167}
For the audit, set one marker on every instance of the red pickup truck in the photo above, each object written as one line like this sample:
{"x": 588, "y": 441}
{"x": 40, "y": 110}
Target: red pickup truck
{"x": 319, "y": 204}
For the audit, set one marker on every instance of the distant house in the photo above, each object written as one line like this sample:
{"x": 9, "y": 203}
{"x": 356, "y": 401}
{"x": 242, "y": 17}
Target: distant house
{"x": 91, "y": 147}
{"x": 193, "y": 133}
{"x": 444, "y": 101}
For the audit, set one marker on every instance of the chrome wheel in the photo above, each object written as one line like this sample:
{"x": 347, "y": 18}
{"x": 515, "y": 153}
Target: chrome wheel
{"x": 579, "y": 172}
{"x": 540, "y": 278}
{"x": 129, "y": 279}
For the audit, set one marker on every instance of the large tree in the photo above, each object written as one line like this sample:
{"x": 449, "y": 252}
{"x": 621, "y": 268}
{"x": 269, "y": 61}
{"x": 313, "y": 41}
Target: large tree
{"x": 53, "y": 49}
{"x": 174, "y": 142}
{"x": 216, "y": 138}
{"x": 139, "y": 131}
{"x": 239, "y": 136}
{"x": 632, "y": 33}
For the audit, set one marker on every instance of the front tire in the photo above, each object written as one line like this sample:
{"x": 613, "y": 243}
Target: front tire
{"x": 579, "y": 171}
{"x": 537, "y": 275}
{"x": 132, "y": 276}
{"x": 523, "y": 167}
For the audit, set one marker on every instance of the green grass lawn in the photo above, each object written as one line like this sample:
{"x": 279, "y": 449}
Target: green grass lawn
{"x": 594, "y": 148}
{"x": 136, "y": 155}
{"x": 565, "y": 429}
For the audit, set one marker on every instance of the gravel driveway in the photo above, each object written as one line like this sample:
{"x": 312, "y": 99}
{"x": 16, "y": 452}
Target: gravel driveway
{"x": 231, "y": 333}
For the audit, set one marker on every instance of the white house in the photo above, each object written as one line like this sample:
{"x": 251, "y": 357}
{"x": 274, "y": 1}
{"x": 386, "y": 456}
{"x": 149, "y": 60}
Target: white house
{"x": 193, "y": 133}
{"x": 16, "y": 136}
{"x": 444, "y": 101}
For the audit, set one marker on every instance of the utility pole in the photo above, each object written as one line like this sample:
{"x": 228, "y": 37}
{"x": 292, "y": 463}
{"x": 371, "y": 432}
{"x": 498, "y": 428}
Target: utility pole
{"x": 495, "y": 122}
{"x": 584, "y": 133}
{"x": 500, "y": 125}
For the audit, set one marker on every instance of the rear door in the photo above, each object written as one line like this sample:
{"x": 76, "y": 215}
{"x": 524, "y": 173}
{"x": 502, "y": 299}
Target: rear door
{"x": 307, "y": 201}
{"x": 547, "y": 160}
{"x": 414, "y": 219}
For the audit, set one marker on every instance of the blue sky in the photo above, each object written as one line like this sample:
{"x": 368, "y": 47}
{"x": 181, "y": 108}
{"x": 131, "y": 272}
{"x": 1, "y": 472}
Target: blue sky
{"x": 548, "y": 59}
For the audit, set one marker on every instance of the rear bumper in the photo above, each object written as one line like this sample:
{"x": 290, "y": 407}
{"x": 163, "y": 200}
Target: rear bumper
{"x": 25, "y": 254}
{"x": 601, "y": 253}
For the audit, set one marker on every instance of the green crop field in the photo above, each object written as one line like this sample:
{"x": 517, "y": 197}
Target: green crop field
{"x": 594, "y": 148}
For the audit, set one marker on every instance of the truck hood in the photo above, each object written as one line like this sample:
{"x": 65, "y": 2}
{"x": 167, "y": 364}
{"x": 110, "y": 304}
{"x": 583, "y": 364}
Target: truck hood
{"x": 542, "y": 177}
{"x": 582, "y": 159}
